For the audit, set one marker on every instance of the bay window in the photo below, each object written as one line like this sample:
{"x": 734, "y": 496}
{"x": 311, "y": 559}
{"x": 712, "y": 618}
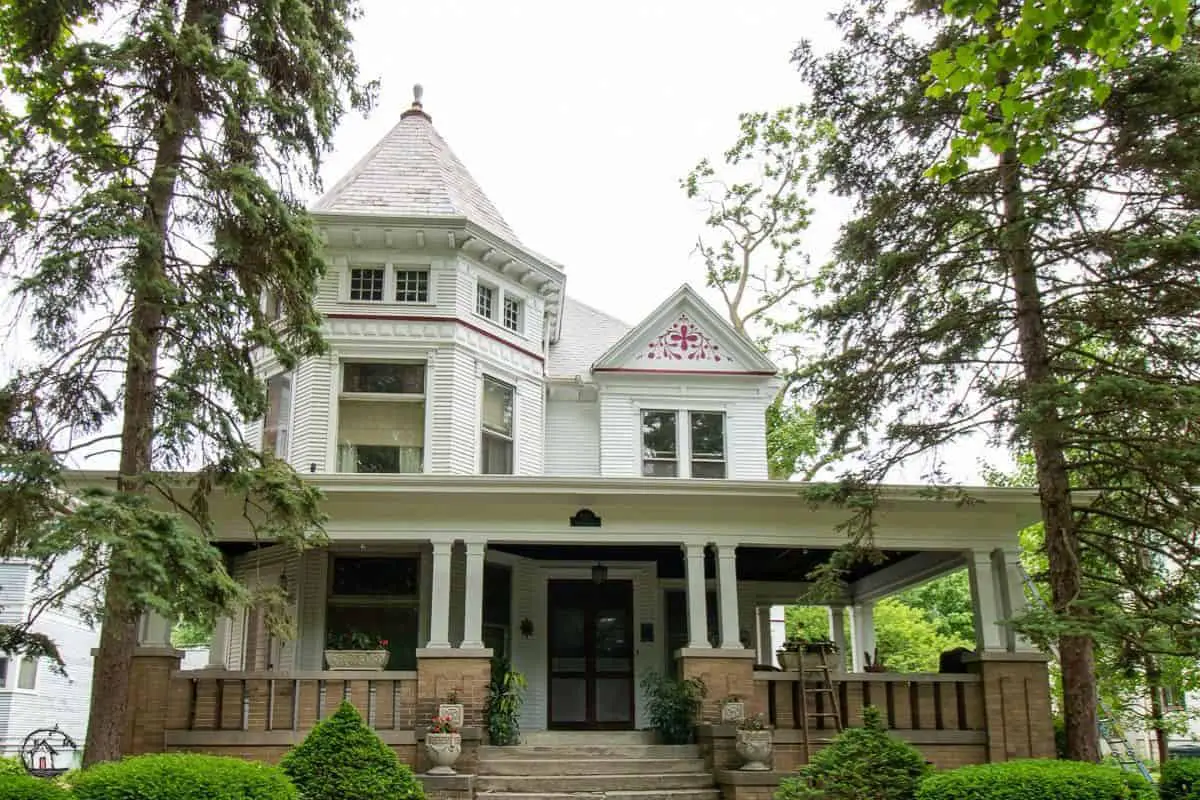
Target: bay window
{"x": 381, "y": 417}
{"x": 496, "y": 428}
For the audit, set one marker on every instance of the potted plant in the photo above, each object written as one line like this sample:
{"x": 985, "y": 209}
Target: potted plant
{"x": 452, "y": 709}
{"x": 506, "y": 694}
{"x": 356, "y": 650}
{"x": 443, "y": 745}
{"x": 733, "y": 710}
{"x": 674, "y": 706}
{"x": 754, "y": 743}
{"x": 789, "y": 654}
{"x": 873, "y": 662}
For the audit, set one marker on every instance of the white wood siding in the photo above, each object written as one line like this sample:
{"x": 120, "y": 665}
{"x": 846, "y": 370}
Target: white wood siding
{"x": 572, "y": 438}
{"x": 310, "y": 623}
{"x": 744, "y": 406}
{"x": 312, "y": 401}
{"x": 529, "y": 430}
{"x": 470, "y": 272}
{"x": 272, "y": 566}
{"x": 15, "y": 579}
{"x": 529, "y": 653}
{"x": 453, "y": 395}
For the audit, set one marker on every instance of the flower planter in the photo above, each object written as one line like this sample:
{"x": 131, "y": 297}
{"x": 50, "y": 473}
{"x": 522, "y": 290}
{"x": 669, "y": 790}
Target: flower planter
{"x": 368, "y": 660}
{"x": 754, "y": 747}
{"x": 733, "y": 712}
{"x": 789, "y": 660}
{"x": 443, "y": 750}
{"x": 453, "y": 712}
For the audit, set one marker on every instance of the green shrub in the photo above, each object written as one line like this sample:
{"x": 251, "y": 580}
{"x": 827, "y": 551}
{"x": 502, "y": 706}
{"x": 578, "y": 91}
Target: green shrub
{"x": 343, "y": 759}
{"x": 182, "y": 776}
{"x": 1036, "y": 780}
{"x": 1180, "y": 779}
{"x": 674, "y": 706}
{"x": 20, "y": 786}
{"x": 12, "y": 766}
{"x": 859, "y": 764}
{"x": 506, "y": 695}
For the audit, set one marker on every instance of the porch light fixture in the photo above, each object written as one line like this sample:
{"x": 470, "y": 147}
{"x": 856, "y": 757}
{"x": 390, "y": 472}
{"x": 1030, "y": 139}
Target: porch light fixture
{"x": 599, "y": 574}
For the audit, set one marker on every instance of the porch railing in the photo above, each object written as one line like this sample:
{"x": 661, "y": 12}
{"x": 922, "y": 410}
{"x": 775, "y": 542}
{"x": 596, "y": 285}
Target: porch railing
{"x": 287, "y": 701}
{"x": 908, "y": 701}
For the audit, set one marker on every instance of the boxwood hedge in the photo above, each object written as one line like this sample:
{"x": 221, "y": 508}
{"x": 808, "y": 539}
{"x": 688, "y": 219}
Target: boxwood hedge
{"x": 1036, "y": 780}
{"x": 182, "y": 776}
{"x": 1180, "y": 779}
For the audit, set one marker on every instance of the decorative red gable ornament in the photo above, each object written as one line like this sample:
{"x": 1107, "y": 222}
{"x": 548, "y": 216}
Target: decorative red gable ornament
{"x": 684, "y": 341}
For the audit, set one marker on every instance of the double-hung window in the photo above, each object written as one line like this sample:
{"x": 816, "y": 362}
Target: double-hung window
{"x": 366, "y": 284}
{"x": 667, "y": 454}
{"x": 373, "y": 600}
{"x": 412, "y": 286}
{"x": 496, "y": 428}
{"x": 512, "y": 313}
{"x": 381, "y": 417}
{"x": 485, "y": 300}
{"x": 387, "y": 283}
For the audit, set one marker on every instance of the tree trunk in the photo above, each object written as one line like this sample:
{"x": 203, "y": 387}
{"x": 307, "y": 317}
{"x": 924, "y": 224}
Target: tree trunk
{"x": 1054, "y": 488}
{"x": 118, "y": 635}
{"x": 1158, "y": 717}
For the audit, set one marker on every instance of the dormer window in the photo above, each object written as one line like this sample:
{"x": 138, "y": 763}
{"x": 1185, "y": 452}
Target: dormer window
{"x": 512, "y": 313}
{"x": 412, "y": 286}
{"x": 485, "y": 300}
{"x": 366, "y": 284}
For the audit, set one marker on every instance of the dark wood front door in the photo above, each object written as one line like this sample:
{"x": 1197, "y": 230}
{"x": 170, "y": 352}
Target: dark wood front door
{"x": 591, "y": 655}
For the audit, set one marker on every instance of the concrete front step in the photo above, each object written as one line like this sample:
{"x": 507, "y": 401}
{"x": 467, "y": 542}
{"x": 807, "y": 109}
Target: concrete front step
{"x": 590, "y": 765}
{"x": 607, "y": 784}
{"x": 580, "y": 752}
{"x": 564, "y": 738}
{"x": 665, "y": 794}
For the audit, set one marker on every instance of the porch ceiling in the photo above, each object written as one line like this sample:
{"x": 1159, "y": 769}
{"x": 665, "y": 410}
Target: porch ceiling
{"x": 780, "y": 564}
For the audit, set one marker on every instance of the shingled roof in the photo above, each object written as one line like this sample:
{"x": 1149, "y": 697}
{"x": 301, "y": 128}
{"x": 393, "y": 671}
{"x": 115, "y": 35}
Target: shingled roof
{"x": 412, "y": 172}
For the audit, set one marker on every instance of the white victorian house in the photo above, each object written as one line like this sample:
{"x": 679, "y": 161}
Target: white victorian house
{"x": 511, "y": 472}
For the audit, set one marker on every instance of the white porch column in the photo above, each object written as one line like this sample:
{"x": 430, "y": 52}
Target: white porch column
{"x": 697, "y": 596}
{"x": 218, "y": 646}
{"x": 473, "y": 600}
{"x": 862, "y": 631}
{"x": 778, "y": 632}
{"x": 837, "y": 633}
{"x": 731, "y": 637}
{"x": 986, "y": 601}
{"x": 154, "y": 630}
{"x": 762, "y": 629}
{"x": 1008, "y": 562}
{"x": 439, "y": 597}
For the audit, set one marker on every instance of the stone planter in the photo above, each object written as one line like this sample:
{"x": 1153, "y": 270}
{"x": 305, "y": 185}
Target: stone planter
{"x": 443, "y": 750}
{"x": 733, "y": 712}
{"x": 754, "y": 747}
{"x": 789, "y": 660}
{"x": 454, "y": 711}
{"x": 367, "y": 660}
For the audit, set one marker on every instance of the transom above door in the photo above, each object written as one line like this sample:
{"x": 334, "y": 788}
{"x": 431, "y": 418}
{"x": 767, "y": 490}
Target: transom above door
{"x": 591, "y": 654}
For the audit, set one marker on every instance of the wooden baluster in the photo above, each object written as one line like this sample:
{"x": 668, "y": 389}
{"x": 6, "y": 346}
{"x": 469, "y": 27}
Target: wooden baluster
{"x": 220, "y": 715}
{"x": 245, "y": 706}
{"x": 271, "y": 704}
{"x": 295, "y": 704}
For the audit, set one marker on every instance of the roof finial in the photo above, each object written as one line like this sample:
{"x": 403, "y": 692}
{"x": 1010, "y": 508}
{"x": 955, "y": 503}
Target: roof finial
{"x": 416, "y": 109}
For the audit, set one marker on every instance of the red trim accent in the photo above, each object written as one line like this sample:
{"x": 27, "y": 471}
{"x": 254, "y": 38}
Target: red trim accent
{"x": 726, "y": 372}
{"x": 463, "y": 322}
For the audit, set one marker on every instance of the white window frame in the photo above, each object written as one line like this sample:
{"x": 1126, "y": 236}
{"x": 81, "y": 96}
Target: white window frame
{"x": 496, "y": 299}
{"x": 394, "y": 271}
{"x": 683, "y": 436}
{"x": 724, "y": 460}
{"x": 391, "y": 269}
{"x": 26, "y": 661}
{"x": 383, "y": 292}
{"x": 519, "y": 303}
{"x": 11, "y": 668}
{"x": 512, "y": 385}
{"x": 678, "y": 461}
{"x": 380, "y": 397}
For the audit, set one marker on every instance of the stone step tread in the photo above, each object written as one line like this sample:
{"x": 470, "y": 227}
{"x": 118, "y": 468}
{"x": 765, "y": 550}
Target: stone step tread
{"x": 669, "y": 794}
{"x": 574, "y": 752}
{"x": 594, "y": 783}
{"x": 588, "y": 766}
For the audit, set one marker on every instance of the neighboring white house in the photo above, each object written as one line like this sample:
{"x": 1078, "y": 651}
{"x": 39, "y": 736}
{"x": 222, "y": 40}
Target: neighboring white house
{"x": 32, "y": 695}
{"x": 507, "y": 467}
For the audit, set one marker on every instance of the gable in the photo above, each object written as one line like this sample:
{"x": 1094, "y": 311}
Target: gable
{"x": 684, "y": 335}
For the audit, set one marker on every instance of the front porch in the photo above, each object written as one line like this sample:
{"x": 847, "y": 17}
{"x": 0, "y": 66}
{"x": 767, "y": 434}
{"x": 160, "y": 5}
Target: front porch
{"x": 672, "y": 581}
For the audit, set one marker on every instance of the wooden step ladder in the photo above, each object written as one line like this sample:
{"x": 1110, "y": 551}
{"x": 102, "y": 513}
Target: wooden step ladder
{"x": 810, "y": 708}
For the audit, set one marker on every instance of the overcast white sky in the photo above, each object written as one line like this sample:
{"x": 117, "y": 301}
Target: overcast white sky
{"x": 578, "y": 120}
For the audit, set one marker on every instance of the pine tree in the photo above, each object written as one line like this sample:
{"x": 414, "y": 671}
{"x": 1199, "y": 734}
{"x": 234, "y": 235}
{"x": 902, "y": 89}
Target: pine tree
{"x": 1045, "y": 303}
{"x": 154, "y": 156}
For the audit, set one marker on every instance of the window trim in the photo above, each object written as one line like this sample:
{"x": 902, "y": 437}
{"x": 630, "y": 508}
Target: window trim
{"x": 683, "y": 437}
{"x": 692, "y": 458}
{"x": 379, "y": 397}
{"x": 406, "y": 601}
{"x": 495, "y": 300}
{"x": 642, "y": 459}
{"x": 284, "y": 425}
{"x": 383, "y": 285}
{"x": 396, "y": 269}
{"x": 391, "y": 269}
{"x": 511, "y": 438}
{"x": 518, "y": 303}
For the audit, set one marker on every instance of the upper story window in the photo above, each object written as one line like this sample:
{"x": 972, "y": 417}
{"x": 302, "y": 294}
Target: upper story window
{"x": 279, "y": 415}
{"x": 366, "y": 284}
{"x": 664, "y": 450}
{"x": 708, "y": 444}
{"x": 3, "y": 672}
{"x": 512, "y": 313}
{"x": 381, "y": 417}
{"x": 378, "y": 596}
{"x": 27, "y": 673}
{"x": 485, "y": 300}
{"x": 272, "y": 305}
{"x": 496, "y": 428}
{"x": 412, "y": 286}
